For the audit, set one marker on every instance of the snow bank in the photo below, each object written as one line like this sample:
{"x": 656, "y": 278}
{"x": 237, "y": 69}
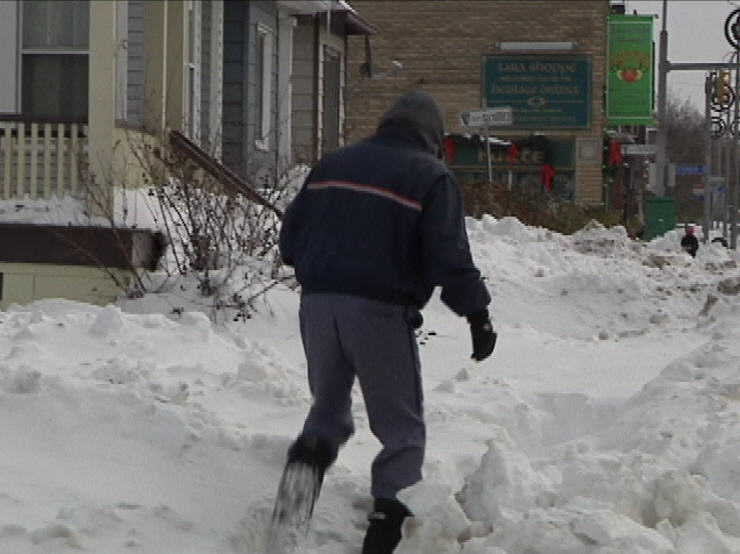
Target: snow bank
{"x": 606, "y": 421}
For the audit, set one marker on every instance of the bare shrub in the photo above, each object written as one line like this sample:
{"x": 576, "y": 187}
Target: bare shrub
{"x": 216, "y": 227}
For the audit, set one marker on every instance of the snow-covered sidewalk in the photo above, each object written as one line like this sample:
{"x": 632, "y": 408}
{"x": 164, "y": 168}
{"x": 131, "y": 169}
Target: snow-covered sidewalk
{"x": 605, "y": 422}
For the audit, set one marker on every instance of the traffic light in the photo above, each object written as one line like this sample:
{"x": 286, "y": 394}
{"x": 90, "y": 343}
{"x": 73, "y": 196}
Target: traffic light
{"x": 723, "y": 87}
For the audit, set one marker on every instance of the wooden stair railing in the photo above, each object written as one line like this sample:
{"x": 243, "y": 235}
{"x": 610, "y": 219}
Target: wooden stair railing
{"x": 218, "y": 171}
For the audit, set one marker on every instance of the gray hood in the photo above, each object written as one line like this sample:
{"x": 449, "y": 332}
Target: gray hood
{"x": 417, "y": 115}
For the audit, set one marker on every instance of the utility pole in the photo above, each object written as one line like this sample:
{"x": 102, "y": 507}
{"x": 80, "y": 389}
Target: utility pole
{"x": 708, "y": 164}
{"x": 726, "y": 171}
{"x": 660, "y": 139}
{"x": 726, "y": 149}
{"x": 732, "y": 33}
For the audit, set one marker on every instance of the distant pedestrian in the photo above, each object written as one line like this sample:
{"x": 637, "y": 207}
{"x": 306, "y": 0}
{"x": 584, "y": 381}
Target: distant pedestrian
{"x": 376, "y": 226}
{"x": 689, "y": 242}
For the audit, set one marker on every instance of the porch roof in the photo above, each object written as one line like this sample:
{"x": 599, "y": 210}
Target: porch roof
{"x": 354, "y": 23}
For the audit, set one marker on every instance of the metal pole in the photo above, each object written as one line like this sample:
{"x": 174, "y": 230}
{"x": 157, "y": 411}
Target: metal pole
{"x": 660, "y": 139}
{"x": 732, "y": 201}
{"x": 708, "y": 168}
{"x": 726, "y": 172}
{"x": 488, "y": 156}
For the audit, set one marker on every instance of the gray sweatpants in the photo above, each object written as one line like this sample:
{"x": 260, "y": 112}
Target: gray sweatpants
{"x": 346, "y": 336}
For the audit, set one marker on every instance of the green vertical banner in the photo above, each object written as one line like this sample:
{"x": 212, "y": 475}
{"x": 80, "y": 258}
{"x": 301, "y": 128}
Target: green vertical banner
{"x": 629, "y": 92}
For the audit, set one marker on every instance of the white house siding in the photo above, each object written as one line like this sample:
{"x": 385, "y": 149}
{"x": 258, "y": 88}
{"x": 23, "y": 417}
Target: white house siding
{"x": 210, "y": 84}
{"x": 135, "y": 63}
{"x": 8, "y": 56}
{"x": 215, "y": 108}
{"x": 211, "y": 77}
{"x": 205, "y": 74}
{"x": 194, "y": 64}
{"x": 121, "y": 60}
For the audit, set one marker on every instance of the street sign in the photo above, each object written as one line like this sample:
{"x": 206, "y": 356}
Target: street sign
{"x": 492, "y": 117}
{"x": 689, "y": 169}
{"x": 639, "y": 149}
{"x": 717, "y": 183}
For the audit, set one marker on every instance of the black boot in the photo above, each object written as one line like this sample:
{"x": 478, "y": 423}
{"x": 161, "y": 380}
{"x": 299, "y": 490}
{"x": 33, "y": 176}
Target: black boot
{"x": 308, "y": 459}
{"x": 384, "y": 532}
{"x": 313, "y": 451}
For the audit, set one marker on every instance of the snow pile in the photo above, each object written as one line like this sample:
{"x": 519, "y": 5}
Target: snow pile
{"x": 52, "y": 211}
{"x": 605, "y": 422}
{"x": 131, "y": 208}
{"x": 594, "y": 270}
{"x": 660, "y": 476}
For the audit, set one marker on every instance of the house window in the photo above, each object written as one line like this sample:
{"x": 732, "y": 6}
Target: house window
{"x": 263, "y": 86}
{"x": 54, "y": 58}
{"x": 330, "y": 108}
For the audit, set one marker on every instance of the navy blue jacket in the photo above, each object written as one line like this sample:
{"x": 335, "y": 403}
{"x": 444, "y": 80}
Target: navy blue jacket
{"x": 384, "y": 219}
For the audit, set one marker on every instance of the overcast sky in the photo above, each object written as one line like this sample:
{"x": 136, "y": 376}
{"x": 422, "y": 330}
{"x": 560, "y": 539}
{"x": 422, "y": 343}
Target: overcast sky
{"x": 695, "y": 34}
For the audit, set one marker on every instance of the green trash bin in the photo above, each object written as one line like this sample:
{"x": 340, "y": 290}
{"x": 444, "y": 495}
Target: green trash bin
{"x": 660, "y": 216}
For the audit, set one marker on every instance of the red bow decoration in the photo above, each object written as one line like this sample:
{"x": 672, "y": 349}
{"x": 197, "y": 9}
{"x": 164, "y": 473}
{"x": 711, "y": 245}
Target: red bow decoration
{"x": 513, "y": 153}
{"x": 615, "y": 153}
{"x": 547, "y": 174}
{"x": 450, "y": 150}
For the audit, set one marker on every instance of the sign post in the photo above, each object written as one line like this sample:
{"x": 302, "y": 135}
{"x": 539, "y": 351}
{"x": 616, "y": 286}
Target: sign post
{"x": 488, "y": 154}
{"x": 491, "y": 117}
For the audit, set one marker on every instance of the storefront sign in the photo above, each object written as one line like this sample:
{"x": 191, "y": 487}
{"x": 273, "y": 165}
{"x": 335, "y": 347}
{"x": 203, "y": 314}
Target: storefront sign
{"x": 544, "y": 91}
{"x": 629, "y": 96}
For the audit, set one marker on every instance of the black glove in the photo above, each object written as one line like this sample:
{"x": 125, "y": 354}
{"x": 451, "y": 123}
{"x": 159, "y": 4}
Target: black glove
{"x": 482, "y": 333}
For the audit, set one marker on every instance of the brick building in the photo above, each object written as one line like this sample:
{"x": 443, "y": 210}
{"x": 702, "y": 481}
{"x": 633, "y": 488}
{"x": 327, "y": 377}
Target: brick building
{"x": 545, "y": 58}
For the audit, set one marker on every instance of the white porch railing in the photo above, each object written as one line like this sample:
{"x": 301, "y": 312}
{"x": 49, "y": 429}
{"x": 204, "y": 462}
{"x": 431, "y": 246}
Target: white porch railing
{"x": 39, "y": 158}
